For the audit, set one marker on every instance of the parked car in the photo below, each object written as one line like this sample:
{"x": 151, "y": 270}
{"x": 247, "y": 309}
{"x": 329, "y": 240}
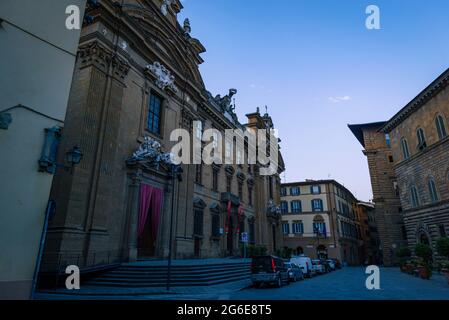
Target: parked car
{"x": 331, "y": 263}
{"x": 318, "y": 266}
{"x": 294, "y": 272}
{"x": 305, "y": 263}
{"x": 268, "y": 270}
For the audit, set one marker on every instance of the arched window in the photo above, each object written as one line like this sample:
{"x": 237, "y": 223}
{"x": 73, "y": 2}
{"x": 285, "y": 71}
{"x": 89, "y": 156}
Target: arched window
{"x": 404, "y": 146}
{"x": 421, "y": 139}
{"x": 432, "y": 190}
{"x": 441, "y": 129}
{"x": 414, "y": 196}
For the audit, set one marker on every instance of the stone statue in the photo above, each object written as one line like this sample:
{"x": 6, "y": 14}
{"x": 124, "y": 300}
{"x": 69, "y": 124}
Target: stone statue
{"x": 187, "y": 28}
{"x": 225, "y": 102}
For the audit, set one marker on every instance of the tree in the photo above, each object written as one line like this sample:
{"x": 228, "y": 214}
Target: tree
{"x": 443, "y": 247}
{"x": 423, "y": 251}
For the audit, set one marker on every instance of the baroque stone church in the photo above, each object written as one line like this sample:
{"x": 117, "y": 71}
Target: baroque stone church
{"x": 136, "y": 79}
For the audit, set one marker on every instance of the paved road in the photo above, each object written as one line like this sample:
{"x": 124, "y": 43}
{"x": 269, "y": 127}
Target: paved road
{"x": 349, "y": 284}
{"x": 345, "y": 284}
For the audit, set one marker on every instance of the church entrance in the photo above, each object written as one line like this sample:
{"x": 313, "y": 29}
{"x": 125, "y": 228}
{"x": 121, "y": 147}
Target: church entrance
{"x": 146, "y": 242}
{"x": 148, "y": 223}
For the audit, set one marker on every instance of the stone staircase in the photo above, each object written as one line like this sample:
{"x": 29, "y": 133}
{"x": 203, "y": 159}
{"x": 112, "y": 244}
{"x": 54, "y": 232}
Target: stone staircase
{"x": 183, "y": 274}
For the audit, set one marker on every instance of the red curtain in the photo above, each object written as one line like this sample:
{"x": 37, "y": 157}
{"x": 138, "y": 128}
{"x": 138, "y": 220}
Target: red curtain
{"x": 150, "y": 202}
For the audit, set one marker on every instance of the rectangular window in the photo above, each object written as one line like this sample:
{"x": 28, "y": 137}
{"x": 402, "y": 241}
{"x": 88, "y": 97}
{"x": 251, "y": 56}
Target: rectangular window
{"x": 298, "y": 227}
{"x": 199, "y": 174}
{"x": 387, "y": 140}
{"x": 286, "y": 228}
{"x": 317, "y": 205}
{"x": 283, "y": 192}
{"x": 250, "y": 196}
{"x": 154, "y": 114}
{"x": 270, "y": 187}
{"x": 228, "y": 183}
{"x": 215, "y": 179}
{"x": 295, "y": 191}
{"x": 251, "y": 232}
{"x": 284, "y": 207}
{"x": 215, "y": 225}
{"x": 198, "y": 222}
{"x": 315, "y": 189}
{"x": 296, "y": 206}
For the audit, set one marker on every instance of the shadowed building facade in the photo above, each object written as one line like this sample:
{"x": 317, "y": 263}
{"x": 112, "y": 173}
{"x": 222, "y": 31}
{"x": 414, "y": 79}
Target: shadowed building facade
{"x": 136, "y": 80}
{"x": 388, "y": 209}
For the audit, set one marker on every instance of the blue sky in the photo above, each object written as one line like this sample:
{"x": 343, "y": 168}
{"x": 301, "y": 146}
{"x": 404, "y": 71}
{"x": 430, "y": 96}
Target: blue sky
{"x": 317, "y": 68}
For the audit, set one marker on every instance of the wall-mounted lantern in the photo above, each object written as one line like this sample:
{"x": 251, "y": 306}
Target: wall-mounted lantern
{"x": 47, "y": 161}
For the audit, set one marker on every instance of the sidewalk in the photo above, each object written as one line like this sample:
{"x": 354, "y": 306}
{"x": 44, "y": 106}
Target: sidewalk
{"x": 88, "y": 293}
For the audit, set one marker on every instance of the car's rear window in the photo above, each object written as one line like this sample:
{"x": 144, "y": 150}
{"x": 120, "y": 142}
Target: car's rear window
{"x": 264, "y": 262}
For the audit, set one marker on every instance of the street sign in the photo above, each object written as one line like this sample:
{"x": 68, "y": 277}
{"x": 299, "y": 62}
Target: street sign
{"x": 244, "y": 236}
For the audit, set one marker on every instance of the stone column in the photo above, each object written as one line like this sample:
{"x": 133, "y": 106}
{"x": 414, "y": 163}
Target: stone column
{"x": 132, "y": 213}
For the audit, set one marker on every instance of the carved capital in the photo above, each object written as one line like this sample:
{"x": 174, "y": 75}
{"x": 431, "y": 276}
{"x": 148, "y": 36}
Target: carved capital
{"x": 96, "y": 54}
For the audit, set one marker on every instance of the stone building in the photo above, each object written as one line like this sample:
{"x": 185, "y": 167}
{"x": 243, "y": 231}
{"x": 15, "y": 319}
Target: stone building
{"x": 366, "y": 221}
{"x": 388, "y": 209}
{"x": 37, "y": 60}
{"x": 319, "y": 220}
{"x": 420, "y": 149}
{"x": 136, "y": 80}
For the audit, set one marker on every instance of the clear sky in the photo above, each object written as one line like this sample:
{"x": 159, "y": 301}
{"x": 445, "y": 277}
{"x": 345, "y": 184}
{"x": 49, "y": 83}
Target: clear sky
{"x": 317, "y": 68}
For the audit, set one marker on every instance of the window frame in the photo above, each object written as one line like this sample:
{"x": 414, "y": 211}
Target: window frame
{"x": 441, "y": 127}
{"x": 149, "y": 112}
{"x": 405, "y": 149}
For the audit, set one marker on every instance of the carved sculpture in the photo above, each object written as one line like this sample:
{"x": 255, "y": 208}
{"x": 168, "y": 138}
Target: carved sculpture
{"x": 150, "y": 150}
{"x": 164, "y": 79}
{"x": 165, "y": 5}
{"x": 273, "y": 210}
{"x": 225, "y": 102}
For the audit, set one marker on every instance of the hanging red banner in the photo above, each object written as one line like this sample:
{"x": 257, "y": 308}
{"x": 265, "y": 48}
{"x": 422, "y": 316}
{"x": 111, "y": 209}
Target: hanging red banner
{"x": 229, "y": 217}
{"x": 239, "y": 214}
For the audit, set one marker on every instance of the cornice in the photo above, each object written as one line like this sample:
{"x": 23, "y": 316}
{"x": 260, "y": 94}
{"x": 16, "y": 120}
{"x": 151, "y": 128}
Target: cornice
{"x": 427, "y": 94}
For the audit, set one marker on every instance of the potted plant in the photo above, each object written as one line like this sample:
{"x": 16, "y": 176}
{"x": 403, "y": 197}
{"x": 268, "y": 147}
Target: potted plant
{"x": 443, "y": 250}
{"x": 424, "y": 252}
{"x": 403, "y": 254}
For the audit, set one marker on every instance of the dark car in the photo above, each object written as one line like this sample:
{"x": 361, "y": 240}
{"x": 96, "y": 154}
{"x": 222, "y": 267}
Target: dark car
{"x": 294, "y": 272}
{"x": 269, "y": 270}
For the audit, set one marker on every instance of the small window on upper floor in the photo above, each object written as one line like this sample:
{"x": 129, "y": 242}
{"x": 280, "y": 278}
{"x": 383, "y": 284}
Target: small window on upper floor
{"x": 283, "y": 192}
{"x": 414, "y": 197}
{"x": 315, "y": 189}
{"x": 421, "y": 139}
{"x": 388, "y": 140}
{"x": 405, "y": 151}
{"x": 441, "y": 129}
{"x": 295, "y": 191}
{"x": 433, "y": 190}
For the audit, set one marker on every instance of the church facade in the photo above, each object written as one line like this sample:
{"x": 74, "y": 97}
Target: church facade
{"x": 136, "y": 80}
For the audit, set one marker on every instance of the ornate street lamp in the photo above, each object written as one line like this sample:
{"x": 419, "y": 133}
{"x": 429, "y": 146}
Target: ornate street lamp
{"x": 74, "y": 156}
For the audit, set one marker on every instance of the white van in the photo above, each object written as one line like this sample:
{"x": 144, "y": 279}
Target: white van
{"x": 305, "y": 263}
